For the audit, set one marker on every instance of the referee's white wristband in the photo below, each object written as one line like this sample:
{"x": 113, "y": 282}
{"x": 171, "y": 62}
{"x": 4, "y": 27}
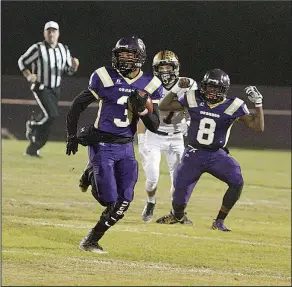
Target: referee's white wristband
{"x": 258, "y": 105}
{"x": 29, "y": 77}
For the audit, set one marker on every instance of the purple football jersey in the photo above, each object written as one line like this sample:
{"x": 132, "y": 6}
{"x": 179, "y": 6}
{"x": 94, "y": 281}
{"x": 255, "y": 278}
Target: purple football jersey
{"x": 113, "y": 90}
{"x": 210, "y": 126}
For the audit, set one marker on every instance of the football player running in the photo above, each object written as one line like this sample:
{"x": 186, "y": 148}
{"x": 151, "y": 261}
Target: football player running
{"x": 110, "y": 139}
{"x": 212, "y": 116}
{"x": 168, "y": 138}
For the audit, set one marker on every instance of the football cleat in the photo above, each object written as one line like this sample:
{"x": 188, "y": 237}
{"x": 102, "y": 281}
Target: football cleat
{"x": 89, "y": 243}
{"x": 37, "y": 154}
{"x": 219, "y": 225}
{"x": 171, "y": 219}
{"x": 92, "y": 247}
{"x": 147, "y": 212}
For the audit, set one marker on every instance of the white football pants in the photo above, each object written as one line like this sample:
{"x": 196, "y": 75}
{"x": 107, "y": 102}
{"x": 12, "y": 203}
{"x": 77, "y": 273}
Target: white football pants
{"x": 172, "y": 146}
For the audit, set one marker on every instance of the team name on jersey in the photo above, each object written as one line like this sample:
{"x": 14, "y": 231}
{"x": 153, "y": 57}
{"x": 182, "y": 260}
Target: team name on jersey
{"x": 126, "y": 90}
{"x": 210, "y": 114}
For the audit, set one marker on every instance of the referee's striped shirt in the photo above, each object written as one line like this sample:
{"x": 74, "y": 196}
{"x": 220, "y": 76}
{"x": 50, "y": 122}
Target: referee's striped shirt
{"x": 47, "y": 63}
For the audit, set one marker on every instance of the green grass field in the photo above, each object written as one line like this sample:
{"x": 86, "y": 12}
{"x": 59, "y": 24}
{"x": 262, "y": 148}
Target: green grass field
{"x": 45, "y": 215}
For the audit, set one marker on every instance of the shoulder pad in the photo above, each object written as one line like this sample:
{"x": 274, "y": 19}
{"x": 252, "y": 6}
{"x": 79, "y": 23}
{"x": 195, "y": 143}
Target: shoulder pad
{"x": 104, "y": 77}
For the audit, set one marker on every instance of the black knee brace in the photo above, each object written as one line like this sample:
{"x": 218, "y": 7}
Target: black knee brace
{"x": 232, "y": 195}
{"x": 114, "y": 212}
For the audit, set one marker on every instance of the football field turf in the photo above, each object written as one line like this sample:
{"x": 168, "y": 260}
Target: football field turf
{"x": 45, "y": 215}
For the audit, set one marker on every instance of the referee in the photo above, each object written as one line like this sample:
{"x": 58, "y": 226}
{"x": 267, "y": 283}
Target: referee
{"x": 43, "y": 65}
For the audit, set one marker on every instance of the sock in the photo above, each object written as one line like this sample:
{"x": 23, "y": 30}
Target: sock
{"x": 100, "y": 228}
{"x": 178, "y": 210}
{"x": 151, "y": 199}
{"x": 222, "y": 213}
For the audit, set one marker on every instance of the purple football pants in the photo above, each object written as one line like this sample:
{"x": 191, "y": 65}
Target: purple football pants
{"x": 115, "y": 171}
{"x": 195, "y": 162}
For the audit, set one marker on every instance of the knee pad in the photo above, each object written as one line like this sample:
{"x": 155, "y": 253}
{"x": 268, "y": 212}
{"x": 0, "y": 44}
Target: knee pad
{"x": 114, "y": 212}
{"x": 150, "y": 185}
{"x": 236, "y": 181}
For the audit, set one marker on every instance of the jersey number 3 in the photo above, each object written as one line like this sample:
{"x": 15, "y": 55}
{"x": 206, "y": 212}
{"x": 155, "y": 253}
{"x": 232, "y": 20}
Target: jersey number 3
{"x": 118, "y": 122}
{"x": 206, "y": 131}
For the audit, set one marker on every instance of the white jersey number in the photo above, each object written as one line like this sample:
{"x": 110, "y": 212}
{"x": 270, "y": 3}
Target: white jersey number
{"x": 118, "y": 122}
{"x": 207, "y": 127}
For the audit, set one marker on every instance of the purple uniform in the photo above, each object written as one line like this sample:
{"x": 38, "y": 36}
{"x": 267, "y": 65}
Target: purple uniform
{"x": 114, "y": 165}
{"x": 208, "y": 133}
{"x": 113, "y": 90}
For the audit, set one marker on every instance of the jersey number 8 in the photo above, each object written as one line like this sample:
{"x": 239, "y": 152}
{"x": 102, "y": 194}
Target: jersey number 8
{"x": 207, "y": 127}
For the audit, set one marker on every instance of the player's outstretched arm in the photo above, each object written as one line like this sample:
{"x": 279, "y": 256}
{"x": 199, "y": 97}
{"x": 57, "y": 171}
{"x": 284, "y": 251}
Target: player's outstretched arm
{"x": 169, "y": 102}
{"x": 255, "y": 122}
{"x": 79, "y": 104}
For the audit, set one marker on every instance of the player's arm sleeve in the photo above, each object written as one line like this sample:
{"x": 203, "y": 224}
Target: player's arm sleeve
{"x": 79, "y": 104}
{"x": 151, "y": 120}
{"x": 241, "y": 111}
{"x": 30, "y": 56}
{"x": 69, "y": 70}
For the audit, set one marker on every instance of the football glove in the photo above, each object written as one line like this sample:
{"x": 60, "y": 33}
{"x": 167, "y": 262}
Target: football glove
{"x": 254, "y": 95}
{"x": 137, "y": 100}
{"x": 72, "y": 144}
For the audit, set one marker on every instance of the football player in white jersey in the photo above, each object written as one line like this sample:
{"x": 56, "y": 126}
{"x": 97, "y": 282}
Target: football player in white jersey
{"x": 169, "y": 136}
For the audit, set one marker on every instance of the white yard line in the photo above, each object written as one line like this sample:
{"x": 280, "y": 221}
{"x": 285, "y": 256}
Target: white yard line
{"x": 160, "y": 266}
{"x": 275, "y": 204}
{"x": 65, "y": 203}
{"x": 278, "y": 189}
{"x": 141, "y": 231}
{"x": 208, "y": 238}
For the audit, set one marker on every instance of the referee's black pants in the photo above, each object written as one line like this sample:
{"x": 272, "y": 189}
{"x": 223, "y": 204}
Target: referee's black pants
{"x": 40, "y": 126}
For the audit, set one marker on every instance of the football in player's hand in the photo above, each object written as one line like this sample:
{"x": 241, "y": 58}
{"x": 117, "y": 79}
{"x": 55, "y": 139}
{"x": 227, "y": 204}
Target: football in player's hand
{"x": 149, "y": 103}
{"x": 138, "y": 101}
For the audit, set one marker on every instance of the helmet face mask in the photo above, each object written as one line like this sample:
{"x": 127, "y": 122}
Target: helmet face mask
{"x": 128, "y": 55}
{"x": 125, "y": 61}
{"x": 214, "y": 86}
{"x": 165, "y": 72}
{"x": 166, "y": 67}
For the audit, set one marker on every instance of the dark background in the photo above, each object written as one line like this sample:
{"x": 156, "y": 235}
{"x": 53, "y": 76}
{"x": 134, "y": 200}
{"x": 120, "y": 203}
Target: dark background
{"x": 249, "y": 40}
